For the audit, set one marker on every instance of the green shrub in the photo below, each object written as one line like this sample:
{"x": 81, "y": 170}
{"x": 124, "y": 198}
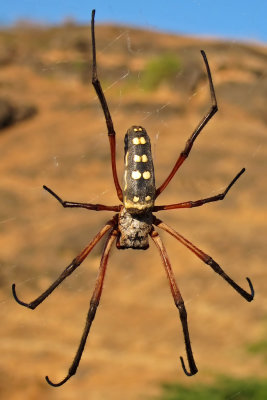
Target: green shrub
{"x": 223, "y": 389}
{"x": 260, "y": 348}
{"x": 160, "y": 70}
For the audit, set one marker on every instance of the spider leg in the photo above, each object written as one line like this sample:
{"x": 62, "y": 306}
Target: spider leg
{"x": 184, "y": 154}
{"x": 207, "y": 260}
{"x": 99, "y": 91}
{"x": 67, "y": 271}
{"x": 197, "y": 203}
{"x": 92, "y": 309}
{"x": 178, "y": 300}
{"x": 88, "y": 206}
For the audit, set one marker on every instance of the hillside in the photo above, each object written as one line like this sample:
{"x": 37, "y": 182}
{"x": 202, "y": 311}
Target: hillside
{"x": 53, "y": 132}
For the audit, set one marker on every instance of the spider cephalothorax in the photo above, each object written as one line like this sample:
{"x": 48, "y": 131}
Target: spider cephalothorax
{"x": 134, "y": 221}
{"x": 134, "y": 229}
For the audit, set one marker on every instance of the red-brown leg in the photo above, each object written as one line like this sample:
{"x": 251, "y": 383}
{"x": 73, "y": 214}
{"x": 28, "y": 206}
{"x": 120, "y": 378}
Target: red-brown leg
{"x": 197, "y": 203}
{"x": 104, "y": 105}
{"x": 178, "y": 300}
{"x": 92, "y": 310}
{"x": 88, "y": 206}
{"x": 207, "y": 260}
{"x": 184, "y": 154}
{"x": 67, "y": 271}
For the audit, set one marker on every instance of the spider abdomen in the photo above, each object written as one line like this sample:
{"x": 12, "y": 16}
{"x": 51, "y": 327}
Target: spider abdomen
{"x": 139, "y": 180}
{"x": 134, "y": 230}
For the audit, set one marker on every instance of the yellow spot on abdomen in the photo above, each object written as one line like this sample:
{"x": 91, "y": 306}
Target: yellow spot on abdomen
{"x": 142, "y": 140}
{"x": 125, "y": 180}
{"x": 135, "y": 199}
{"x": 146, "y": 175}
{"x": 136, "y": 140}
{"x": 144, "y": 158}
{"x": 126, "y": 159}
{"x": 137, "y": 158}
{"x": 139, "y": 140}
{"x": 147, "y": 198}
{"x": 136, "y": 175}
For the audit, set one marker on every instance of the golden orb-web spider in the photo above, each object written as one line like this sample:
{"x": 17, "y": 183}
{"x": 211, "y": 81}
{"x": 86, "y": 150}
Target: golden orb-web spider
{"x": 134, "y": 220}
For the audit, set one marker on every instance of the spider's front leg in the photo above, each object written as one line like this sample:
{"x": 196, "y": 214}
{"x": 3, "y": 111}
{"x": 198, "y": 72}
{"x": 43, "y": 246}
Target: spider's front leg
{"x": 189, "y": 144}
{"x": 178, "y": 300}
{"x": 111, "y": 131}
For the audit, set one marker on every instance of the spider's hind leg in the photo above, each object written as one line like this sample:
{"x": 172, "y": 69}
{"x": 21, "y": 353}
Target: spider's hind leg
{"x": 70, "y": 268}
{"x": 179, "y": 302}
{"x": 249, "y": 296}
{"x": 92, "y": 310}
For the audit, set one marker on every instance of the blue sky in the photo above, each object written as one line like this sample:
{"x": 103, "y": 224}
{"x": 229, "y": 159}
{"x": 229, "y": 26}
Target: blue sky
{"x": 233, "y": 19}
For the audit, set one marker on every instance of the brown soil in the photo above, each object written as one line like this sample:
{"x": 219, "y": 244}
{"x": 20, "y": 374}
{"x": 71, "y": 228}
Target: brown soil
{"x": 136, "y": 338}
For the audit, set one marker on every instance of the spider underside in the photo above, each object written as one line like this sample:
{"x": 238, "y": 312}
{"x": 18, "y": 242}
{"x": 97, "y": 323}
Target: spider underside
{"x": 134, "y": 222}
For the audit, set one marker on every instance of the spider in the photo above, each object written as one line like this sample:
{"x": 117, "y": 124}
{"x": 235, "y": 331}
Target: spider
{"x": 134, "y": 221}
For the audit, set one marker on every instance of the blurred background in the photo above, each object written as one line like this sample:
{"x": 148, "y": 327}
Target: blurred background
{"x": 52, "y": 132}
